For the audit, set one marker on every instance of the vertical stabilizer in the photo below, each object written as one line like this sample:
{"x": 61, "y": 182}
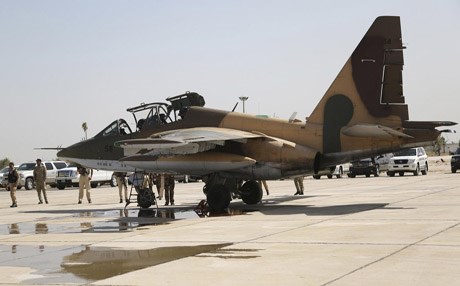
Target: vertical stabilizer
{"x": 368, "y": 89}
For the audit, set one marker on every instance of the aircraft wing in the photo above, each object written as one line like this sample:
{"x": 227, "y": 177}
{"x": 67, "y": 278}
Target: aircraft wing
{"x": 184, "y": 141}
{"x": 371, "y": 130}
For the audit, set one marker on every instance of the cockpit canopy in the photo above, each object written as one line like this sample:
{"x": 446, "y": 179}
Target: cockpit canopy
{"x": 151, "y": 114}
{"x": 118, "y": 127}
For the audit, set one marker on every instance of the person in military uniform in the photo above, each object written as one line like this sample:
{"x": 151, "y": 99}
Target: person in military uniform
{"x": 169, "y": 189}
{"x": 298, "y": 182}
{"x": 121, "y": 182}
{"x": 39, "y": 179}
{"x": 13, "y": 179}
{"x": 84, "y": 183}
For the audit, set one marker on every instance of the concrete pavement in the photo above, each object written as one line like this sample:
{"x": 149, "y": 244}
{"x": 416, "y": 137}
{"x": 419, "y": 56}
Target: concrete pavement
{"x": 362, "y": 231}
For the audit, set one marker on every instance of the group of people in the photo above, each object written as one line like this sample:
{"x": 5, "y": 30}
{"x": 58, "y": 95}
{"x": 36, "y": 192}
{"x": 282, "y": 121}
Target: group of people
{"x": 164, "y": 184}
{"x": 39, "y": 175}
{"x": 39, "y": 179}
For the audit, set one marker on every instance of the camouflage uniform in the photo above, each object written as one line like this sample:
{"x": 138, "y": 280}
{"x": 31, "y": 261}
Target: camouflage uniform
{"x": 169, "y": 189}
{"x": 84, "y": 183}
{"x": 13, "y": 178}
{"x": 121, "y": 182}
{"x": 40, "y": 179}
{"x": 298, "y": 182}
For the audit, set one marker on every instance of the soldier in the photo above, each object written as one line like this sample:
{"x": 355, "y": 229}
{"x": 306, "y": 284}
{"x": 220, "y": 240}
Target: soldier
{"x": 121, "y": 182}
{"x": 169, "y": 189}
{"x": 13, "y": 179}
{"x": 84, "y": 183}
{"x": 159, "y": 180}
{"x": 39, "y": 179}
{"x": 298, "y": 182}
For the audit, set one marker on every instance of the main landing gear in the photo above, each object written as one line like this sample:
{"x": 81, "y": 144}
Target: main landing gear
{"x": 220, "y": 191}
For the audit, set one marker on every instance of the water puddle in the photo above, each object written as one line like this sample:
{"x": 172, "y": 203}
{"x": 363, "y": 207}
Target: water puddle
{"x": 82, "y": 264}
{"x": 110, "y": 220}
{"x": 101, "y": 263}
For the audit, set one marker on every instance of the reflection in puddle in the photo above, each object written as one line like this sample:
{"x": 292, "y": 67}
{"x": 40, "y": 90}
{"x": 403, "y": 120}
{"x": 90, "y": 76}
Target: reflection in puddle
{"x": 117, "y": 220}
{"x": 41, "y": 228}
{"x": 101, "y": 263}
{"x": 13, "y": 228}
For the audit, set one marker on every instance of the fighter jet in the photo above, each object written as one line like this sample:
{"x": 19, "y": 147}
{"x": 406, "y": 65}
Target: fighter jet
{"x": 362, "y": 114}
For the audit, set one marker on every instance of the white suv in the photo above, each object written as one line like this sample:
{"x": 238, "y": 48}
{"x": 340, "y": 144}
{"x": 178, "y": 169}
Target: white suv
{"x": 26, "y": 173}
{"x": 412, "y": 160}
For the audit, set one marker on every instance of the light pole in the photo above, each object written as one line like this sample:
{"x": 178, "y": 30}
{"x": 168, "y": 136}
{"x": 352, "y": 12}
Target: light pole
{"x": 243, "y": 99}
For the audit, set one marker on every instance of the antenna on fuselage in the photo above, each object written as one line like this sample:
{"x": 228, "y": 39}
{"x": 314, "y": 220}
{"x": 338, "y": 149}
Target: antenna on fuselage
{"x": 235, "y": 106}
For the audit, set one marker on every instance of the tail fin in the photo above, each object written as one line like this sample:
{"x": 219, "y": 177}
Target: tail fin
{"x": 368, "y": 89}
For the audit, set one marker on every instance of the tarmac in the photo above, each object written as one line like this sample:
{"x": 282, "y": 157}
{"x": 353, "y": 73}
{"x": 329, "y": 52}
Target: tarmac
{"x": 362, "y": 231}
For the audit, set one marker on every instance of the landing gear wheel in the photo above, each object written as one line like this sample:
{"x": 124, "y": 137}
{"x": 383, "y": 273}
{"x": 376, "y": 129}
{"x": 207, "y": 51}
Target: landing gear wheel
{"x": 218, "y": 197}
{"x": 251, "y": 192}
{"x": 145, "y": 198}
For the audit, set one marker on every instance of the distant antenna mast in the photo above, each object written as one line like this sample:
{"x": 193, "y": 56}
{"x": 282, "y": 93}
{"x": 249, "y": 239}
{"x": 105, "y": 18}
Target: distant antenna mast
{"x": 243, "y": 99}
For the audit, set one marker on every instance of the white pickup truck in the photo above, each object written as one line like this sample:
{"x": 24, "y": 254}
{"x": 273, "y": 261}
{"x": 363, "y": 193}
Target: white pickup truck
{"x": 69, "y": 177}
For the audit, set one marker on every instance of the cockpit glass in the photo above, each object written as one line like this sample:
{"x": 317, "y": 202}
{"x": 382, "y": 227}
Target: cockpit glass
{"x": 112, "y": 129}
{"x": 118, "y": 127}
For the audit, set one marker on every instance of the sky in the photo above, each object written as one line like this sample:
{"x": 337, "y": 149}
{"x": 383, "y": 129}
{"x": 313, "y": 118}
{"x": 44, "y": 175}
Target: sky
{"x": 65, "y": 62}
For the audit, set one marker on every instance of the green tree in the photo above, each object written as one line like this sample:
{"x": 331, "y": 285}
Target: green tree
{"x": 85, "y": 128}
{"x": 4, "y": 162}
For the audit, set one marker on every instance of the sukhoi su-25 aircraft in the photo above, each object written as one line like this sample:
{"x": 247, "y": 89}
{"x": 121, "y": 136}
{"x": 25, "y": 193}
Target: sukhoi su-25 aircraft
{"x": 362, "y": 114}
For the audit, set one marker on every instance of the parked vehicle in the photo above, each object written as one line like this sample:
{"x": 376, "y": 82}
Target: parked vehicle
{"x": 368, "y": 167}
{"x": 3, "y": 179}
{"x": 455, "y": 161}
{"x": 69, "y": 177}
{"x": 26, "y": 173}
{"x": 186, "y": 178}
{"x": 338, "y": 171}
{"x": 412, "y": 160}
{"x": 365, "y": 167}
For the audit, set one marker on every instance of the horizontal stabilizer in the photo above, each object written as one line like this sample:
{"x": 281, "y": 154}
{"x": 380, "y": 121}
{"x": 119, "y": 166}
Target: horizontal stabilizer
{"x": 426, "y": 124}
{"x": 370, "y": 130}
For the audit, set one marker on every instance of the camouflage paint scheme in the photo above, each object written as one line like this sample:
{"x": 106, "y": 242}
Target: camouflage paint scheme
{"x": 363, "y": 113}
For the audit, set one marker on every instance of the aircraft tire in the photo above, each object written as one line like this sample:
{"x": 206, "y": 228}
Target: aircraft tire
{"x": 251, "y": 192}
{"x": 218, "y": 197}
{"x": 145, "y": 198}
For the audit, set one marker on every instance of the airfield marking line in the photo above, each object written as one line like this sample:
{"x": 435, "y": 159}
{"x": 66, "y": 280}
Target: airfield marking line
{"x": 341, "y": 216}
{"x": 390, "y": 255}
